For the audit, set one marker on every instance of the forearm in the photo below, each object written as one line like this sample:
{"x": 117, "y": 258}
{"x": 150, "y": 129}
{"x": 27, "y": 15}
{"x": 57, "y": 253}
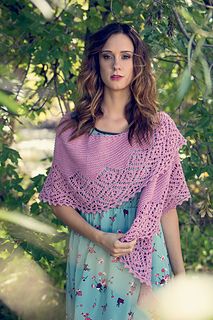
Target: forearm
{"x": 74, "y": 221}
{"x": 171, "y": 232}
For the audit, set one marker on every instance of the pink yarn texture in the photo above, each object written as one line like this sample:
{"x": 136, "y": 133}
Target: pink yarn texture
{"x": 94, "y": 173}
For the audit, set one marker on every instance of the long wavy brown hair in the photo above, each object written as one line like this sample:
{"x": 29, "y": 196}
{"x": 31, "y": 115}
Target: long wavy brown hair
{"x": 140, "y": 111}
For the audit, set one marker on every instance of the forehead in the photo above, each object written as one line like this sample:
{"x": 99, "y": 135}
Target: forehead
{"x": 118, "y": 42}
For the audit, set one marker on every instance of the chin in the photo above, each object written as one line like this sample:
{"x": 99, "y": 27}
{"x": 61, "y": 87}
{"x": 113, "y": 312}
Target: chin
{"x": 120, "y": 88}
{"x": 117, "y": 87}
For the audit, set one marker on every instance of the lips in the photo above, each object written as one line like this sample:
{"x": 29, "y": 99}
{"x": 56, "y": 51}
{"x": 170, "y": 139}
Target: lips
{"x": 116, "y": 77}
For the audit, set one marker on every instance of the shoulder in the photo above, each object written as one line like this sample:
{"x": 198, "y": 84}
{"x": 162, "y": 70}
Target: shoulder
{"x": 69, "y": 116}
{"x": 165, "y": 120}
{"x": 168, "y": 131}
{"x": 67, "y": 121}
{"x": 65, "y": 117}
{"x": 166, "y": 124}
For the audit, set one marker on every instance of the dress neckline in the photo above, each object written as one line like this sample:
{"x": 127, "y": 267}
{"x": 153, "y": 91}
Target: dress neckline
{"x": 106, "y": 132}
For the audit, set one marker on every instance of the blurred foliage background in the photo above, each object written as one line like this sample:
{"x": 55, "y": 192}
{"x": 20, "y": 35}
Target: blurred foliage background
{"x": 41, "y": 47}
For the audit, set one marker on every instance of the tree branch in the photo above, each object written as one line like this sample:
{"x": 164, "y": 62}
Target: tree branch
{"x": 203, "y": 4}
{"x": 41, "y": 106}
{"x": 183, "y": 30}
{"x": 167, "y": 60}
{"x": 24, "y": 78}
{"x": 55, "y": 66}
{"x": 39, "y": 90}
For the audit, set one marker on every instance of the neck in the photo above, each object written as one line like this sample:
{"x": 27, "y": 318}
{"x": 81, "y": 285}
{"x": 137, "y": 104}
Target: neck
{"x": 114, "y": 103}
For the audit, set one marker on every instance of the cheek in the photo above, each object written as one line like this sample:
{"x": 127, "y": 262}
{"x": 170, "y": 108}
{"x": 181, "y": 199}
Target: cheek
{"x": 102, "y": 73}
{"x": 130, "y": 69}
{"x": 104, "y": 70}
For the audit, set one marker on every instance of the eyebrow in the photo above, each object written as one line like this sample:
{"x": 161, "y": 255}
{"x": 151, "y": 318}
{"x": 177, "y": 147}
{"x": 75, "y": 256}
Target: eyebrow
{"x": 123, "y": 51}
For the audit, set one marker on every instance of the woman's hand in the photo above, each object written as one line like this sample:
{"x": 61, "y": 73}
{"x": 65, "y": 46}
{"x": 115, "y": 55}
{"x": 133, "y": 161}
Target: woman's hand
{"x": 110, "y": 242}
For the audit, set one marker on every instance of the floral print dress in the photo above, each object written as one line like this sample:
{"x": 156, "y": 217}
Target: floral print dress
{"x": 98, "y": 285}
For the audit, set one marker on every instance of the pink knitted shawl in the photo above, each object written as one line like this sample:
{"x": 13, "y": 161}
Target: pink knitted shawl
{"x": 94, "y": 173}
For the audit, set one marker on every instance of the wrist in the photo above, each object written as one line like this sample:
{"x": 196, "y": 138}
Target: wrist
{"x": 98, "y": 237}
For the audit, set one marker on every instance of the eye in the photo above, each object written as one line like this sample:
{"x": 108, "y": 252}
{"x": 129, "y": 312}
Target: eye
{"x": 126, "y": 56}
{"x": 107, "y": 56}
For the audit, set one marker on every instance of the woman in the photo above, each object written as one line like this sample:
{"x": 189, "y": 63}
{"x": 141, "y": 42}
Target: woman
{"x": 115, "y": 182}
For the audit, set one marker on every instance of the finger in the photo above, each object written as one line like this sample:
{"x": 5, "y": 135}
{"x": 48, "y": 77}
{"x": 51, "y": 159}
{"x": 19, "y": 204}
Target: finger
{"x": 124, "y": 249}
{"x": 128, "y": 242}
{"x": 133, "y": 241}
{"x": 124, "y": 245}
{"x": 121, "y": 252}
{"x": 121, "y": 235}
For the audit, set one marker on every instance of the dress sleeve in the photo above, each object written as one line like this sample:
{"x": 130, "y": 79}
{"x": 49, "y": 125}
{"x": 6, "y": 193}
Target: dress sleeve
{"x": 178, "y": 191}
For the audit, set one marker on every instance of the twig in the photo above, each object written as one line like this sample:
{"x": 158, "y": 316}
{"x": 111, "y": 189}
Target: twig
{"x": 203, "y": 5}
{"x": 37, "y": 109}
{"x": 25, "y": 76}
{"x": 183, "y": 30}
{"x": 15, "y": 115}
{"x": 209, "y": 153}
{"x": 58, "y": 97}
{"x": 62, "y": 11}
{"x": 55, "y": 66}
{"x": 66, "y": 103}
{"x": 40, "y": 89}
{"x": 179, "y": 57}
{"x": 172, "y": 61}
{"x": 33, "y": 107}
{"x": 43, "y": 73}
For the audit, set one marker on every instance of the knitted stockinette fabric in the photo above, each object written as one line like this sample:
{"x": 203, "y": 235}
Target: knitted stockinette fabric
{"x": 94, "y": 173}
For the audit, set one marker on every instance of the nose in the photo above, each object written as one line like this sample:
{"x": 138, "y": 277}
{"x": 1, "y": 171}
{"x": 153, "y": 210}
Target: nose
{"x": 116, "y": 63}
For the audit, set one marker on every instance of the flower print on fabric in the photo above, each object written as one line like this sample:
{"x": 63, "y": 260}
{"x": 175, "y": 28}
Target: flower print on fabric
{"x": 98, "y": 286}
{"x": 99, "y": 278}
{"x": 120, "y": 301}
{"x": 162, "y": 278}
{"x": 86, "y": 316}
{"x": 126, "y": 212}
{"x": 132, "y": 288}
{"x": 91, "y": 249}
{"x": 130, "y": 315}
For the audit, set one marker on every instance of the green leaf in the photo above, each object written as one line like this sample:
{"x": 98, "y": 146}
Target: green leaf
{"x": 185, "y": 82}
{"x": 10, "y": 103}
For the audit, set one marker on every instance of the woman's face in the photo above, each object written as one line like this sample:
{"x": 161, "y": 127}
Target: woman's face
{"x": 116, "y": 62}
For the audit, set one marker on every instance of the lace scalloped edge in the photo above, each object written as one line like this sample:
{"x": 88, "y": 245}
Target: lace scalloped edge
{"x": 142, "y": 279}
{"x": 58, "y": 203}
{"x": 175, "y": 204}
{"x": 47, "y": 199}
